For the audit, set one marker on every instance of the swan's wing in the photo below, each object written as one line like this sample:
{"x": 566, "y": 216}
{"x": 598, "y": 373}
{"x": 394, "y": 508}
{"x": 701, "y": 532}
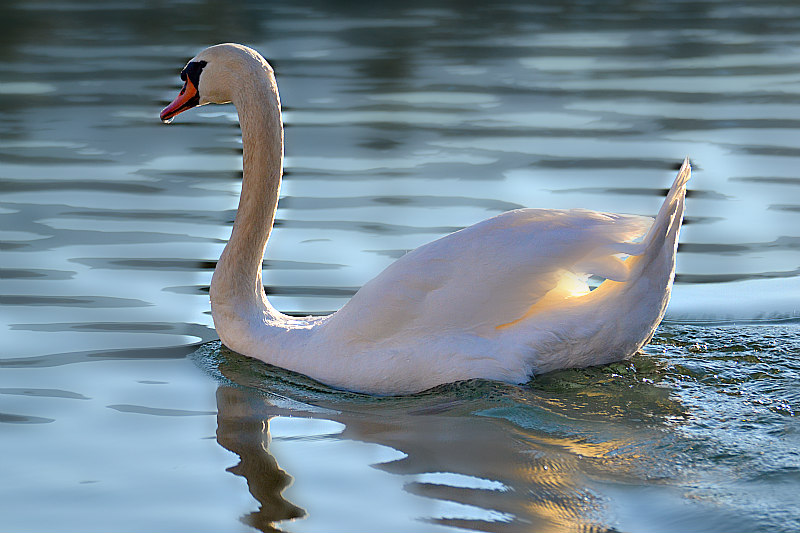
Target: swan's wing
{"x": 491, "y": 273}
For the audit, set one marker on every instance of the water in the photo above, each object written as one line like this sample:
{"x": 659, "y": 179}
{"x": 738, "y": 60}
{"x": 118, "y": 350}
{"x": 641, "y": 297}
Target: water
{"x": 402, "y": 124}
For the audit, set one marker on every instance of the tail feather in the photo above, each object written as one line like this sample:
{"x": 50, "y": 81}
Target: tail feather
{"x": 605, "y": 261}
{"x": 670, "y": 215}
{"x": 657, "y": 259}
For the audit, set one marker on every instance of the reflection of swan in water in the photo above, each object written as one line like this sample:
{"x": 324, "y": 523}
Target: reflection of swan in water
{"x": 497, "y": 300}
{"x": 442, "y": 447}
{"x": 243, "y": 429}
{"x": 500, "y": 477}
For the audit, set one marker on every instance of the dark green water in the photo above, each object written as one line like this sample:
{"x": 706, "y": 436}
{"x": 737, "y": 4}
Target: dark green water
{"x": 402, "y": 123}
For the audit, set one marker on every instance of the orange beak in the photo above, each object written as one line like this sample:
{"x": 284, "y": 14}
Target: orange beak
{"x": 186, "y": 99}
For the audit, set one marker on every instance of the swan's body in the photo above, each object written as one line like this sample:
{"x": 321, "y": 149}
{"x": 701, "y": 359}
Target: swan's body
{"x": 497, "y": 300}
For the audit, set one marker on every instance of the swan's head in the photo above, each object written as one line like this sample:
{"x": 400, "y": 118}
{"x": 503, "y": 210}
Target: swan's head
{"x": 214, "y": 75}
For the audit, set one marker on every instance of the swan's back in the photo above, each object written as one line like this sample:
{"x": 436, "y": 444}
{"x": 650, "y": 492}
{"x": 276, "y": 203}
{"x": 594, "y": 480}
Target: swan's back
{"x": 484, "y": 276}
{"x": 507, "y": 297}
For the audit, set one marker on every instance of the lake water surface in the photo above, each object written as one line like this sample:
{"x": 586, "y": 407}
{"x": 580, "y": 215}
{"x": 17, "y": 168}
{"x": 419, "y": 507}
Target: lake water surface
{"x": 120, "y": 412}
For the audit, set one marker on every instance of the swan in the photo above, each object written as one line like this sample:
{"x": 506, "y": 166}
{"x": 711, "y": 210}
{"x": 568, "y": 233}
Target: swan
{"x": 503, "y": 299}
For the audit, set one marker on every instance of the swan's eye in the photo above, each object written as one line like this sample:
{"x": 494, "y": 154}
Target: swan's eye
{"x": 192, "y": 72}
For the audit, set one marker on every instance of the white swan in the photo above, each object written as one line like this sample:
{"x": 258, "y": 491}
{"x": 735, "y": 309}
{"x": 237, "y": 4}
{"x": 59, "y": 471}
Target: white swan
{"x": 497, "y": 300}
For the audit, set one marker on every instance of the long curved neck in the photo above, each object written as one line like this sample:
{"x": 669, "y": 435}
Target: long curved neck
{"x": 236, "y": 286}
